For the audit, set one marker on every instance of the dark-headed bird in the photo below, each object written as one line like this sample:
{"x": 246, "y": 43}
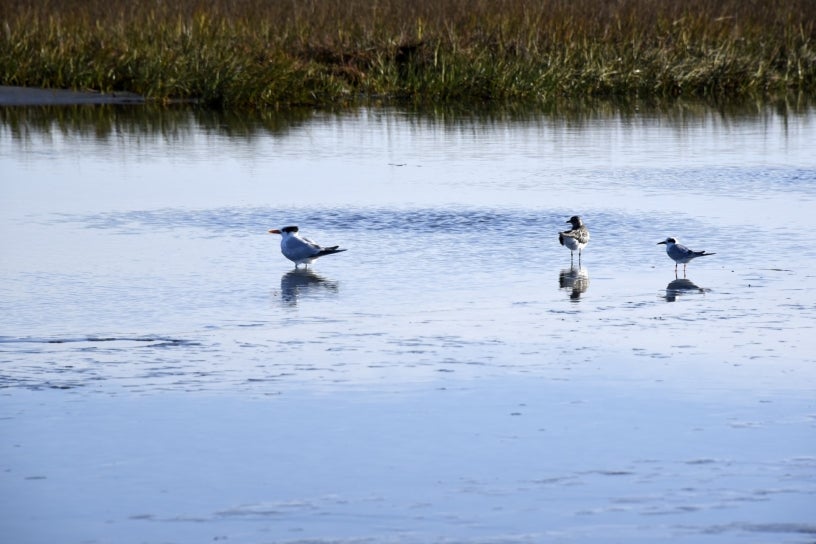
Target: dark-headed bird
{"x": 576, "y": 238}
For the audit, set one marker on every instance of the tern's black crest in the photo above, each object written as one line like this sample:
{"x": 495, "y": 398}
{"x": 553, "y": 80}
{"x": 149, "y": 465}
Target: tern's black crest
{"x": 289, "y": 229}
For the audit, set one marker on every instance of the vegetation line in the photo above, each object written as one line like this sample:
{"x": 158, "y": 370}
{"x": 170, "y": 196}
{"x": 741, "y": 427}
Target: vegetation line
{"x": 326, "y": 53}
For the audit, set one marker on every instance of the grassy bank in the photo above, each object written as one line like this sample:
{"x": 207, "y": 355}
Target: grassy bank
{"x": 279, "y": 53}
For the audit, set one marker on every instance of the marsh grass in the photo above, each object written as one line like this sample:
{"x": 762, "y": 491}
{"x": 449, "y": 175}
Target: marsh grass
{"x": 276, "y": 53}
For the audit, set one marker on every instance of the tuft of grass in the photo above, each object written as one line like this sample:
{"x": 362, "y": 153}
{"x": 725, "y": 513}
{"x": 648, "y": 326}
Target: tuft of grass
{"x": 327, "y": 53}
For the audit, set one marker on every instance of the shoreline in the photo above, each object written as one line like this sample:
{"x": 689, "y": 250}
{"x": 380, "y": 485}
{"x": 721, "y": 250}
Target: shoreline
{"x": 34, "y": 96}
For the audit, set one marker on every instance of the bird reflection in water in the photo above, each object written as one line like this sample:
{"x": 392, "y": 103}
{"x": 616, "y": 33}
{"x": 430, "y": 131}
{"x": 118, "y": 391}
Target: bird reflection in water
{"x": 303, "y": 281}
{"x": 682, "y": 286}
{"x": 574, "y": 280}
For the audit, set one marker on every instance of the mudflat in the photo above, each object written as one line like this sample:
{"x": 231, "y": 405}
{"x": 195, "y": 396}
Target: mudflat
{"x": 32, "y": 96}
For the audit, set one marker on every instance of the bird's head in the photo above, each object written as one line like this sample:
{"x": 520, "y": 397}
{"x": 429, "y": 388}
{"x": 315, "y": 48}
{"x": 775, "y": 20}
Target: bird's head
{"x": 289, "y": 230}
{"x": 575, "y": 220}
{"x": 669, "y": 240}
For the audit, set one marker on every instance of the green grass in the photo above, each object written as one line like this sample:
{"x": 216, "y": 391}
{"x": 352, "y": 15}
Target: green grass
{"x": 283, "y": 53}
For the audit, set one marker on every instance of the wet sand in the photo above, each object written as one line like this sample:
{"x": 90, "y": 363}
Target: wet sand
{"x": 506, "y": 460}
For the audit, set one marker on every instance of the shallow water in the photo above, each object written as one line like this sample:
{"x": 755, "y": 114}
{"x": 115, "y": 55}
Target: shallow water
{"x": 450, "y": 376}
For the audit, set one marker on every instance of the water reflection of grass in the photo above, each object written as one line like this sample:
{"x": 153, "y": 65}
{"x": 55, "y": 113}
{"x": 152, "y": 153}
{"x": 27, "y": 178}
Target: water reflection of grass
{"x": 177, "y": 122}
{"x": 264, "y": 53}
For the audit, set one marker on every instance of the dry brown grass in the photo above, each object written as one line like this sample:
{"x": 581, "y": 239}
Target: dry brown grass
{"x": 275, "y": 53}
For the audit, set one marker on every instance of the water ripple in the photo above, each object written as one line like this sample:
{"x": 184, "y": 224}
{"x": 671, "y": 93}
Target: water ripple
{"x": 451, "y": 220}
{"x": 154, "y": 341}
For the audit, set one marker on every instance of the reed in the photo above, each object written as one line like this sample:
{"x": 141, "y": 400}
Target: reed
{"x": 328, "y": 53}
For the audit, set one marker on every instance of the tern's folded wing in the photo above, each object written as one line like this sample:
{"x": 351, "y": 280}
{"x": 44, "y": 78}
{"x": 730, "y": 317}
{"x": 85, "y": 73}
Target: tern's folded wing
{"x": 295, "y": 248}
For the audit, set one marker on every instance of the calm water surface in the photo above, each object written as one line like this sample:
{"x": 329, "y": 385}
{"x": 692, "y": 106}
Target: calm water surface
{"x": 451, "y": 377}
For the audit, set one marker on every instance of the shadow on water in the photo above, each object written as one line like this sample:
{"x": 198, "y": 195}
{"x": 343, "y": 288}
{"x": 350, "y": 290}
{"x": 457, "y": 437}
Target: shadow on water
{"x": 303, "y": 282}
{"x": 682, "y": 286}
{"x": 575, "y": 281}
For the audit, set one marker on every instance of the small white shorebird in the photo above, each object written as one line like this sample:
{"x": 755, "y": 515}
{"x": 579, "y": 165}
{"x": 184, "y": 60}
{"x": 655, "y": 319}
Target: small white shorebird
{"x": 576, "y": 238}
{"x": 680, "y": 253}
{"x": 301, "y": 250}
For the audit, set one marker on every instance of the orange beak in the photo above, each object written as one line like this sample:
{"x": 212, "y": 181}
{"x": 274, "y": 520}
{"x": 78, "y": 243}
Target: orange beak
{"x": 274, "y": 231}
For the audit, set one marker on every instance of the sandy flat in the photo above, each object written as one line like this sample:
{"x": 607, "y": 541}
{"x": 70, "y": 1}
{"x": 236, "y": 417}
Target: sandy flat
{"x": 31, "y": 96}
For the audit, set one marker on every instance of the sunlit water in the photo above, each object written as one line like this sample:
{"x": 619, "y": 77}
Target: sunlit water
{"x": 451, "y": 377}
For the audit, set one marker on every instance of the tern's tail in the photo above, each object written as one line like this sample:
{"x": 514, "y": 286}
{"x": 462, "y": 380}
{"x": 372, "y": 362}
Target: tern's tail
{"x": 704, "y": 254}
{"x": 329, "y": 251}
